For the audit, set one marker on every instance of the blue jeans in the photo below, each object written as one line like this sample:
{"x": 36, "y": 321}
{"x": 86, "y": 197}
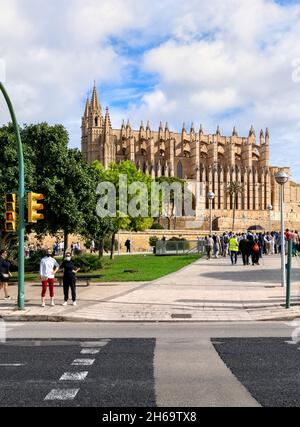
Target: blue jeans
{"x": 234, "y": 257}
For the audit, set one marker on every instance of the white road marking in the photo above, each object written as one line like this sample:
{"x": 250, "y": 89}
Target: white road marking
{"x": 16, "y": 365}
{"x": 95, "y": 344}
{"x": 83, "y": 362}
{"x": 74, "y": 376}
{"x": 90, "y": 351}
{"x": 68, "y": 394}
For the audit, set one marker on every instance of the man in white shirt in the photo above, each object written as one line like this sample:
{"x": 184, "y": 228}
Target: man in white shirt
{"x": 48, "y": 268}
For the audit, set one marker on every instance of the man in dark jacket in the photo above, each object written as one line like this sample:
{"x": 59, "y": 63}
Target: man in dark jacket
{"x": 245, "y": 249}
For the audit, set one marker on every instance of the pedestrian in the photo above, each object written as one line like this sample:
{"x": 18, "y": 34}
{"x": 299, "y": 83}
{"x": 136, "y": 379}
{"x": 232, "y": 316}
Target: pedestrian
{"x": 69, "y": 278}
{"x": 245, "y": 249}
{"x": 217, "y": 245}
{"x": 225, "y": 244}
{"x": 128, "y": 245}
{"x": 48, "y": 268}
{"x": 255, "y": 251}
{"x": 233, "y": 249}
{"x": 209, "y": 244}
{"x": 4, "y": 274}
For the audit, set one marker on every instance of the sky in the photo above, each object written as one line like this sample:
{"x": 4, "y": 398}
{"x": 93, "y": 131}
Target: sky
{"x": 222, "y": 62}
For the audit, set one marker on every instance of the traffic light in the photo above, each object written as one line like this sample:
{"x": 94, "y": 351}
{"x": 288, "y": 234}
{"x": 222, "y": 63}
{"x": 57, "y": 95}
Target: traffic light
{"x": 34, "y": 207}
{"x": 10, "y": 213}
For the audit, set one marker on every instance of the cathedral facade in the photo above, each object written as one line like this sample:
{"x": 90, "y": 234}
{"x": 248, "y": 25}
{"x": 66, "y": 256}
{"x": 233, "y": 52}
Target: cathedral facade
{"x": 213, "y": 161}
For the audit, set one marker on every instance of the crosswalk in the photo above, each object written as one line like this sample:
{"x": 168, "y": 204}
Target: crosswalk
{"x": 69, "y": 394}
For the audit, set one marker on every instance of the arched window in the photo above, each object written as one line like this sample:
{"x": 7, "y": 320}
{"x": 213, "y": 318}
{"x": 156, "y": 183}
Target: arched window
{"x": 96, "y": 121}
{"x": 179, "y": 170}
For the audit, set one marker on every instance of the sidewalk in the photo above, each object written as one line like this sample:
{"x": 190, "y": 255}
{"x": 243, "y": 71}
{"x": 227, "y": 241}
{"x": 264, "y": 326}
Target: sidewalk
{"x": 206, "y": 291}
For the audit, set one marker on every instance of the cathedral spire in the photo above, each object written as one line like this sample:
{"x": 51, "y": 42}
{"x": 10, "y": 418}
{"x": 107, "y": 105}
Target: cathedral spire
{"x": 148, "y": 125}
{"x": 87, "y": 108}
{"x": 123, "y": 124}
{"x": 142, "y": 126}
{"x": 267, "y": 136}
{"x": 218, "y": 131}
{"x": 234, "y": 132}
{"x": 201, "y": 130}
{"x": 167, "y": 126}
{"x": 252, "y": 132}
{"x": 107, "y": 122}
{"x": 95, "y": 104}
{"x": 128, "y": 124}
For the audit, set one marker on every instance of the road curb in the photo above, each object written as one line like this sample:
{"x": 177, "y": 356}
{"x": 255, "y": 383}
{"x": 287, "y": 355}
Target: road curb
{"x": 66, "y": 319}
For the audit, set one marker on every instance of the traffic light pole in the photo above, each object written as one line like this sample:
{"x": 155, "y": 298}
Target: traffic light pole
{"x": 21, "y": 262}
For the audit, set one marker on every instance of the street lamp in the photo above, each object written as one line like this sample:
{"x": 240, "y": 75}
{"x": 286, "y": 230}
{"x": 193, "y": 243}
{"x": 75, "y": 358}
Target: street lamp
{"x": 211, "y": 197}
{"x": 270, "y": 208}
{"x": 282, "y": 178}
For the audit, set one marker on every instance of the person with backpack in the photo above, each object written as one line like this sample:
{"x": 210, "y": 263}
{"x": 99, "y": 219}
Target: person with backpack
{"x": 255, "y": 251}
{"x": 225, "y": 244}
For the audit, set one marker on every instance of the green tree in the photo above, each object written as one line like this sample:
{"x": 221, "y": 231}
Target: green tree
{"x": 121, "y": 222}
{"x": 234, "y": 189}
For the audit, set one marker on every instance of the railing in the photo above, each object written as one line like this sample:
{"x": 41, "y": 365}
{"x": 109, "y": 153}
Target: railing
{"x": 182, "y": 247}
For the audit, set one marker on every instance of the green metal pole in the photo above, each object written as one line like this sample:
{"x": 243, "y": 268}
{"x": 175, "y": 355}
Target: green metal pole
{"x": 289, "y": 274}
{"x": 21, "y": 262}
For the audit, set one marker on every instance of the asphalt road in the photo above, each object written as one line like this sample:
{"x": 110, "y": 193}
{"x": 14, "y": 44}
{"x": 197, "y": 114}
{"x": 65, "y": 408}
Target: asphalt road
{"x": 148, "y": 365}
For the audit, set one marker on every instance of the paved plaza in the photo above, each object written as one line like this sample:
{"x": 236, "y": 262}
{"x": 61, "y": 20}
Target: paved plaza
{"x": 212, "y": 291}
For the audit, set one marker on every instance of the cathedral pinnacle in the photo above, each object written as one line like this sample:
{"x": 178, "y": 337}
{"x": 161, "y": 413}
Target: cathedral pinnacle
{"x": 234, "y": 132}
{"x": 252, "y": 132}
{"x": 218, "y": 131}
{"x": 95, "y": 104}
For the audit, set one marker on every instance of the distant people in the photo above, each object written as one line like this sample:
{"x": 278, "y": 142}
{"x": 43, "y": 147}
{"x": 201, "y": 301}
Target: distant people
{"x": 69, "y": 279}
{"x": 209, "y": 244}
{"x": 93, "y": 247}
{"x": 233, "y": 249}
{"x": 4, "y": 274}
{"x": 128, "y": 245}
{"x": 48, "y": 268}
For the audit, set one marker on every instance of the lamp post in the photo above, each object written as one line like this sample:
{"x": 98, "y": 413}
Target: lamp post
{"x": 270, "y": 208}
{"x": 21, "y": 260}
{"x": 211, "y": 197}
{"x": 282, "y": 178}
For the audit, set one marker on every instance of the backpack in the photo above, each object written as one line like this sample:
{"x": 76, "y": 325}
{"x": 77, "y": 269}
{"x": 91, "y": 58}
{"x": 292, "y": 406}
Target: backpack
{"x": 256, "y": 248}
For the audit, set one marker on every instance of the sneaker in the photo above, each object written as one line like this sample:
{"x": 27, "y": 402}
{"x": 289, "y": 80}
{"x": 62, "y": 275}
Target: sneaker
{"x": 65, "y": 303}
{"x": 74, "y": 303}
{"x": 8, "y": 299}
{"x": 52, "y": 304}
{"x": 43, "y": 305}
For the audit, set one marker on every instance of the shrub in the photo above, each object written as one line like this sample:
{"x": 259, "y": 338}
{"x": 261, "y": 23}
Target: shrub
{"x": 157, "y": 226}
{"x": 87, "y": 263}
{"x": 153, "y": 240}
{"x": 33, "y": 263}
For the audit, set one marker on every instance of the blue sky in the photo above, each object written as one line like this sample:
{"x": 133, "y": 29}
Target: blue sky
{"x": 227, "y": 63}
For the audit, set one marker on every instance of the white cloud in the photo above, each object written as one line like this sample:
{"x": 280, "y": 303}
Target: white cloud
{"x": 217, "y": 62}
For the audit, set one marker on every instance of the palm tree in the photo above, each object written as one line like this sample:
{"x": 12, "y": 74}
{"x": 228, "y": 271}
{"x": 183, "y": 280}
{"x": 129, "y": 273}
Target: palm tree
{"x": 234, "y": 189}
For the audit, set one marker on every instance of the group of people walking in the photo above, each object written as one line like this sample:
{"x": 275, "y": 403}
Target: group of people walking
{"x": 251, "y": 246}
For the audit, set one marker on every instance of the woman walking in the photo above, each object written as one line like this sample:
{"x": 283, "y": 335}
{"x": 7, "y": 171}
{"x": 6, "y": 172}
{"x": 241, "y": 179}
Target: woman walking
{"x": 69, "y": 279}
{"x": 4, "y": 274}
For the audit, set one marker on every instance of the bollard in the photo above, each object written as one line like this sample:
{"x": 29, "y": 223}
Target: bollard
{"x": 289, "y": 275}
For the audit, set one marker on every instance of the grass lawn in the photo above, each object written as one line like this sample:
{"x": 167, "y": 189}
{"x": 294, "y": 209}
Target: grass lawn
{"x": 146, "y": 268}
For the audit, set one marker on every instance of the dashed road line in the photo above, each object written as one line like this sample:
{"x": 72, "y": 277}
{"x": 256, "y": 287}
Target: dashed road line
{"x": 102, "y": 343}
{"x": 83, "y": 362}
{"x": 90, "y": 351}
{"x": 67, "y": 394}
{"x": 74, "y": 376}
{"x": 15, "y": 365}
